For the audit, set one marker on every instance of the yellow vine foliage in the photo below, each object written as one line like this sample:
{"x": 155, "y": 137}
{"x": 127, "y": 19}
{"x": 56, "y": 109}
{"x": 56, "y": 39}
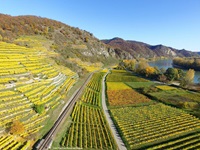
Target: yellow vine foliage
{"x": 17, "y": 127}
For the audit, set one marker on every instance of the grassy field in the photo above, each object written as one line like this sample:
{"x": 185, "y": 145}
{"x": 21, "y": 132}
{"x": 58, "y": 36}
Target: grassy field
{"x": 177, "y": 97}
{"x": 123, "y": 76}
{"x": 136, "y": 85}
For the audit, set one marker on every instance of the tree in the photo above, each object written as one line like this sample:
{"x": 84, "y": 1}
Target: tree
{"x": 171, "y": 74}
{"x": 39, "y": 108}
{"x": 86, "y": 39}
{"x": 149, "y": 71}
{"x": 181, "y": 74}
{"x": 142, "y": 65}
{"x": 189, "y": 78}
{"x": 17, "y": 128}
{"x": 129, "y": 64}
{"x": 162, "y": 78}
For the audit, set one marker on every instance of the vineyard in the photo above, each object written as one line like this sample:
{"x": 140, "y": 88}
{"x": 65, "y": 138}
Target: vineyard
{"x": 125, "y": 97}
{"x": 187, "y": 142}
{"x": 120, "y": 94}
{"x": 146, "y": 124}
{"x": 123, "y": 76}
{"x": 90, "y": 67}
{"x": 89, "y": 129}
{"x": 10, "y": 143}
{"x": 27, "y": 80}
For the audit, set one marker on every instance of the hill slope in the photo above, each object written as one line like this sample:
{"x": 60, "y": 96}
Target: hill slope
{"x": 68, "y": 41}
{"x": 71, "y": 42}
{"x": 139, "y": 49}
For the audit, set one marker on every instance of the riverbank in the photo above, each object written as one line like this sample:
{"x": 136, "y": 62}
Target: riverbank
{"x": 168, "y": 63}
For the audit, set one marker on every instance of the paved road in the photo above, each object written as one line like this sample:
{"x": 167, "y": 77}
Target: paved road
{"x": 117, "y": 137}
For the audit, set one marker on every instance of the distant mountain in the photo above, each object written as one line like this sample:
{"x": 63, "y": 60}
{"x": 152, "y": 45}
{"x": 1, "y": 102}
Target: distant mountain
{"x": 140, "y": 49}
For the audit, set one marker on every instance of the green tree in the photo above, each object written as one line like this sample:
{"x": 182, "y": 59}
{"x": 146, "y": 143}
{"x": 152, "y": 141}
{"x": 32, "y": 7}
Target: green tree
{"x": 39, "y": 108}
{"x": 171, "y": 74}
{"x": 189, "y": 78}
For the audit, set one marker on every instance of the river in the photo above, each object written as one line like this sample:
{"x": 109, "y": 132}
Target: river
{"x": 167, "y": 63}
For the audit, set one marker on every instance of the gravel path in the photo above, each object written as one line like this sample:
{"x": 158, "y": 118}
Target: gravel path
{"x": 120, "y": 143}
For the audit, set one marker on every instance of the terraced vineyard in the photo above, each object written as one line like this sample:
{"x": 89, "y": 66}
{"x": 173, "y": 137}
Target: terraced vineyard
{"x": 27, "y": 80}
{"x": 89, "y": 129}
{"x": 90, "y": 67}
{"x": 12, "y": 143}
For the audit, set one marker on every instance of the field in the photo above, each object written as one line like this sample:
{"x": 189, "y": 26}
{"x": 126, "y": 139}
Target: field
{"x": 89, "y": 129}
{"x": 147, "y": 124}
{"x": 187, "y": 142}
{"x": 117, "y": 86}
{"x": 92, "y": 93}
{"x": 141, "y": 126}
{"x": 90, "y": 67}
{"x": 125, "y": 97}
{"x": 123, "y": 76}
{"x": 121, "y": 94}
{"x": 136, "y": 85}
{"x": 165, "y": 87}
{"x": 27, "y": 79}
{"x": 177, "y": 97}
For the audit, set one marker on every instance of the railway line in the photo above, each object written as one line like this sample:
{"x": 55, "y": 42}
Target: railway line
{"x": 46, "y": 142}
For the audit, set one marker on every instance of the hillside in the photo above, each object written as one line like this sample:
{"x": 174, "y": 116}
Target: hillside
{"x": 69, "y": 42}
{"x": 139, "y": 49}
{"x": 29, "y": 80}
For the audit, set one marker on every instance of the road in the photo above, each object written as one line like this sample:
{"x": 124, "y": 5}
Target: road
{"x": 120, "y": 143}
{"x": 47, "y": 141}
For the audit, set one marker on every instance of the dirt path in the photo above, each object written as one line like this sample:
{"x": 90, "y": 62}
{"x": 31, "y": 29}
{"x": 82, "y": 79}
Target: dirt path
{"x": 120, "y": 143}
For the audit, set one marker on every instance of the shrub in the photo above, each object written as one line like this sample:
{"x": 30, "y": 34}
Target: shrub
{"x": 39, "y": 108}
{"x": 17, "y": 127}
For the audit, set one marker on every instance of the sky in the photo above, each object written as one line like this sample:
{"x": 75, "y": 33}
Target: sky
{"x": 174, "y": 23}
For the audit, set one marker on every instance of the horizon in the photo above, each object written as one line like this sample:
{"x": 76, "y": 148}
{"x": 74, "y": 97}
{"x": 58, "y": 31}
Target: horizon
{"x": 172, "y": 23}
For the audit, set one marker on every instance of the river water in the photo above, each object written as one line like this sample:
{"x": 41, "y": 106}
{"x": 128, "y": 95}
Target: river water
{"x": 167, "y": 63}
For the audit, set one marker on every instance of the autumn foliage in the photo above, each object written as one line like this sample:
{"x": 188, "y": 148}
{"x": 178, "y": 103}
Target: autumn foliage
{"x": 125, "y": 97}
{"x": 17, "y": 127}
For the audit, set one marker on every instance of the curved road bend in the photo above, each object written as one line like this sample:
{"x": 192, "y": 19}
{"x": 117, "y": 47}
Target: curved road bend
{"x": 120, "y": 143}
{"x": 45, "y": 143}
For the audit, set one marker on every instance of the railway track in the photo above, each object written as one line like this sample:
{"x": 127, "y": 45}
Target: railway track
{"x": 46, "y": 142}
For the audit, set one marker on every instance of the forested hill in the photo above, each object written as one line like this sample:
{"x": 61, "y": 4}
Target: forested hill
{"x": 139, "y": 49}
{"x": 68, "y": 41}
{"x": 71, "y": 42}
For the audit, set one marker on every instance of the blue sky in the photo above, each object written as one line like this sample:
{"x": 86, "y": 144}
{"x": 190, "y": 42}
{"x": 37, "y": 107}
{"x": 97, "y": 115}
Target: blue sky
{"x": 174, "y": 23}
